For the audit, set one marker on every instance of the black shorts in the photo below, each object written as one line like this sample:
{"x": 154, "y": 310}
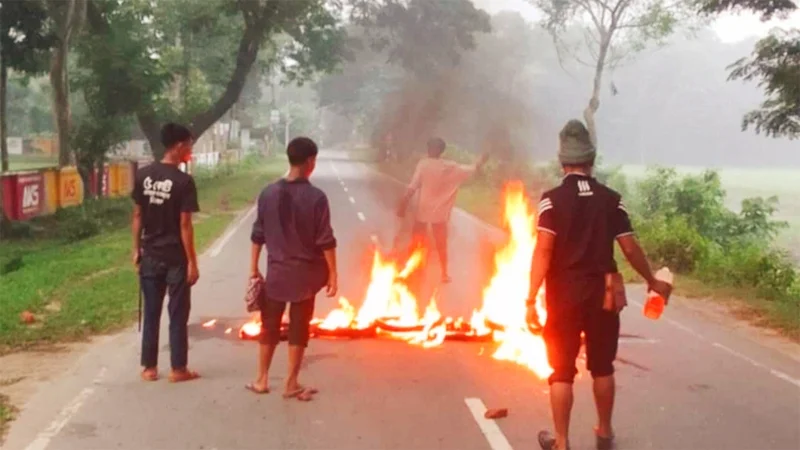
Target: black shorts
{"x": 562, "y": 336}
{"x": 300, "y": 315}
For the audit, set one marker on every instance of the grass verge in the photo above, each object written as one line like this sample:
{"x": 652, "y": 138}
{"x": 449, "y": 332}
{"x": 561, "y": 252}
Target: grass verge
{"x": 7, "y": 412}
{"x": 481, "y": 199}
{"x": 76, "y": 286}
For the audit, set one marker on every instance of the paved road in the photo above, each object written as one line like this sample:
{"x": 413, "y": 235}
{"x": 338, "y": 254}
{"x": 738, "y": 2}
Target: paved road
{"x": 684, "y": 382}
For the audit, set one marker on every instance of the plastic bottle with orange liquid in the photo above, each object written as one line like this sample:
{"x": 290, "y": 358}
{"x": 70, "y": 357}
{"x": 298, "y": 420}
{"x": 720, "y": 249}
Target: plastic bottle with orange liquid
{"x": 654, "y": 305}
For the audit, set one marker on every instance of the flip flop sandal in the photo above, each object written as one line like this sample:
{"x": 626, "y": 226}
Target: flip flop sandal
{"x": 605, "y": 443}
{"x": 547, "y": 441}
{"x": 182, "y": 376}
{"x": 150, "y": 375}
{"x": 300, "y": 391}
{"x": 305, "y": 396}
{"x": 252, "y": 388}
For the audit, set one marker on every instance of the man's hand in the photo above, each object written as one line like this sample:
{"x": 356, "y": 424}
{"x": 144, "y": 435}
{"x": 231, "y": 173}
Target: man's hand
{"x": 136, "y": 259}
{"x": 661, "y": 288}
{"x": 532, "y": 317}
{"x": 192, "y": 274}
{"x": 255, "y": 273}
{"x": 333, "y": 285}
{"x": 402, "y": 207}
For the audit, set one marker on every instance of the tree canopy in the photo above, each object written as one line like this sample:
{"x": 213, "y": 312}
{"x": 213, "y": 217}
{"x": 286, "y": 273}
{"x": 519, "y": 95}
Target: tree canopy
{"x": 775, "y": 63}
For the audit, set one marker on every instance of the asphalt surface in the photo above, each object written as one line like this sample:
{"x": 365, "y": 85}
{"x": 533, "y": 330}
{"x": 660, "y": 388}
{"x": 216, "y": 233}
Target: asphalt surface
{"x": 684, "y": 381}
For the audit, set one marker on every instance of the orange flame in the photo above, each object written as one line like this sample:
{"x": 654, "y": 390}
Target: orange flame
{"x": 504, "y": 298}
{"x": 390, "y": 301}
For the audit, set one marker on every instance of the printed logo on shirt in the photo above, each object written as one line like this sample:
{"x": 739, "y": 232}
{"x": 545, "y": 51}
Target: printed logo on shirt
{"x": 584, "y": 189}
{"x": 158, "y": 191}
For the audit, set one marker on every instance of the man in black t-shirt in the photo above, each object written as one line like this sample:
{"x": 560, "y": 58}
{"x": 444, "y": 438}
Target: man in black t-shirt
{"x": 163, "y": 250}
{"x": 578, "y": 224}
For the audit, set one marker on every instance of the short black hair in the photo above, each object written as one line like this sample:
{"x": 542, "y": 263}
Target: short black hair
{"x": 173, "y": 134}
{"x": 300, "y": 150}
{"x": 436, "y": 146}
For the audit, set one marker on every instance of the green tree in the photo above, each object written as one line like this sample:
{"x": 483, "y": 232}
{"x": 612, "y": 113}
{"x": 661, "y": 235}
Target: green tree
{"x": 611, "y": 31}
{"x": 67, "y": 17}
{"x": 423, "y": 37}
{"x": 24, "y": 43}
{"x": 775, "y": 62}
{"x": 309, "y": 32}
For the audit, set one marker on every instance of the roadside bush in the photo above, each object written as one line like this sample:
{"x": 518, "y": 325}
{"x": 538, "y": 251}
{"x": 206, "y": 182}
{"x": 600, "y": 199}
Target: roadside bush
{"x": 672, "y": 243}
{"x": 683, "y": 223}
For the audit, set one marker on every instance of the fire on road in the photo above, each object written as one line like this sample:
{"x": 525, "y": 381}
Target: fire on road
{"x": 390, "y": 309}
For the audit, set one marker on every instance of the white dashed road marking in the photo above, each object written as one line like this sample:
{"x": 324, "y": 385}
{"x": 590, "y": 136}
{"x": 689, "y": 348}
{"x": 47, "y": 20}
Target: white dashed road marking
{"x": 352, "y": 200}
{"x": 773, "y": 372}
{"x": 361, "y": 216}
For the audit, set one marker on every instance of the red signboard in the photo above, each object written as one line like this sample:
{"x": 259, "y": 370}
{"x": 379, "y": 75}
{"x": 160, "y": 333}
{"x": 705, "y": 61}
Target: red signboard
{"x": 30, "y": 195}
{"x": 93, "y": 190}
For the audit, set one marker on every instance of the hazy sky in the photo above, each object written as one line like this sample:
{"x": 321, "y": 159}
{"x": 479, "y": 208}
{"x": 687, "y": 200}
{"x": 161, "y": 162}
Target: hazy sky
{"x": 729, "y": 27}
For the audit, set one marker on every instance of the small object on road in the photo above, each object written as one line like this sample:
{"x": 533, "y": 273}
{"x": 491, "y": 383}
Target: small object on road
{"x": 496, "y": 413}
{"x": 27, "y": 317}
{"x": 210, "y": 323}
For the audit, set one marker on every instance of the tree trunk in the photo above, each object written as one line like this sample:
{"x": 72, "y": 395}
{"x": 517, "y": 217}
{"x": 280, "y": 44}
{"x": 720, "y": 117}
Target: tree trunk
{"x": 99, "y": 180}
{"x": 3, "y": 116}
{"x": 246, "y": 56}
{"x": 594, "y": 101}
{"x": 58, "y": 80}
{"x": 69, "y": 23}
{"x": 152, "y": 131}
{"x": 3, "y": 142}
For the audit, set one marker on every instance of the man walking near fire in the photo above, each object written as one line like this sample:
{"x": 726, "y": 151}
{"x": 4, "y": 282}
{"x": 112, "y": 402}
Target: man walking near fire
{"x": 163, "y": 250}
{"x": 294, "y": 223}
{"x": 578, "y": 224}
{"x": 438, "y": 181}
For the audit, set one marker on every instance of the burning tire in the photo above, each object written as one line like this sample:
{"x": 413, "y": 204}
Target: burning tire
{"x": 344, "y": 333}
{"x": 385, "y": 325}
{"x": 468, "y": 337}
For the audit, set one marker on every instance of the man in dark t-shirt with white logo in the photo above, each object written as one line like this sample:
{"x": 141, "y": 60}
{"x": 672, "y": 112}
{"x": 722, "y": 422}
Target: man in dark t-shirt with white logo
{"x": 578, "y": 223}
{"x": 163, "y": 250}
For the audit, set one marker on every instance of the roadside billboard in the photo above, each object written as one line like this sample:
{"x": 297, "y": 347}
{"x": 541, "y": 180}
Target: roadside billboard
{"x": 70, "y": 187}
{"x": 30, "y": 195}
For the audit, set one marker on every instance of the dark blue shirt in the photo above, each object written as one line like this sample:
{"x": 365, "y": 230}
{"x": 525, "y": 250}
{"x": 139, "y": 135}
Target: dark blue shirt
{"x": 294, "y": 222}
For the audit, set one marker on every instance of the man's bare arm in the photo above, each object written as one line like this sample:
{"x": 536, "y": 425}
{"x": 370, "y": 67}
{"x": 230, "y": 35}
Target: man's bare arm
{"x": 136, "y": 232}
{"x": 255, "y": 254}
{"x": 333, "y": 276}
{"x": 187, "y": 238}
{"x": 635, "y": 255}
{"x": 542, "y": 255}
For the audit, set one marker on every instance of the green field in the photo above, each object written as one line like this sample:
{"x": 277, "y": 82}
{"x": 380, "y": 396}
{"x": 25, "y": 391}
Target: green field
{"x": 30, "y": 162}
{"x": 78, "y": 287}
{"x": 740, "y": 184}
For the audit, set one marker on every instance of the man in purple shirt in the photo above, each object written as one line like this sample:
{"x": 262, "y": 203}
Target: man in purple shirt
{"x": 294, "y": 223}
